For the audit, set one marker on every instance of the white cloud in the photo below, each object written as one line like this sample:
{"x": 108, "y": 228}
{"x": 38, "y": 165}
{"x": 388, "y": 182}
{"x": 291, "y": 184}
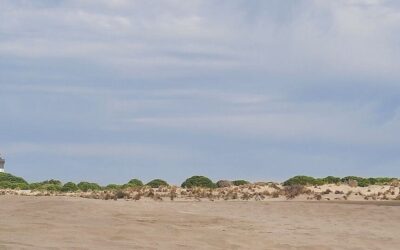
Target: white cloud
{"x": 331, "y": 37}
{"x": 256, "y": 71}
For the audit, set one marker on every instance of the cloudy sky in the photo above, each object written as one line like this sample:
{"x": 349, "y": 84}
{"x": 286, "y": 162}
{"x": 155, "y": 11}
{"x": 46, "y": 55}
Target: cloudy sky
{"x": 261, "y": 90}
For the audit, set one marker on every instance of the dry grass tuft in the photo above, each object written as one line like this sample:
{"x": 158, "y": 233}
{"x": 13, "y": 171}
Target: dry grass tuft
{"x": 294, "y": 191}
{"x": 275, "y": 194}
{"x": 172, "y": 193}
{"x": 318, "y": 197}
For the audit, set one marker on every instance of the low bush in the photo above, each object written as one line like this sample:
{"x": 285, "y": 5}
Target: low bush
{"x": 300, "y": 180}
{"x": 22, "y": 186}
{"x": 156, "y": 183}
{"x": 135, "y": 183}
{"x": 86, "y": 186}
{"x": 224, "y": 183}
{"x": 69, "y": 187}
{"x": 52, "y": 181}
{"x": 113, "y": 187}
{"x": 11, "y": 185}
{"x": 48, "y": 185}
{"x": 120, "y": 194}
{"x": 5, "y": 185}
{"x": 44, "y": 187}
{"x": 383, "y": 180}
{"x": 240, "y": 182}
{"x": 331, "y": 180}
{"x": 51, "y": 187}
{"x": 308, "y": 180}
{"x": 198, "y": 181}
{"x": 319, "y": 182}
{"x": 5, "y": 177}
{"x": 292, "y": 191}
{"x": 365, "y": 182}
{"x": 34, "y": 185}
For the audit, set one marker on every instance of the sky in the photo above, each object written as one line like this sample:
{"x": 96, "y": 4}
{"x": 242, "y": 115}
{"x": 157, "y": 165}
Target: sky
{"x": 110, "y": 90}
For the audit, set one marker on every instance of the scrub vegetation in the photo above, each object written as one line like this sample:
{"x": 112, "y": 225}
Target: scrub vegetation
{"x": 197, "y": 186}
{"x": 355, "y": 180}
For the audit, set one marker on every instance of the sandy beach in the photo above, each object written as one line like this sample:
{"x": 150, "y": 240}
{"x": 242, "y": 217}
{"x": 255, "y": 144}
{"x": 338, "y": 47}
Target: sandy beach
{"x": 28, "y": 222}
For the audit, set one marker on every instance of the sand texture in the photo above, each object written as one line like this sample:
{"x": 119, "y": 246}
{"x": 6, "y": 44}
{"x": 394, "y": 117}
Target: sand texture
{"x": 28, "y": 222}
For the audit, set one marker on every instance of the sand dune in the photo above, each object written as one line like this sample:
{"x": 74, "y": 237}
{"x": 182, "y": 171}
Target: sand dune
{"x": 28, "y": 222}
{"x": 250, "y": 192}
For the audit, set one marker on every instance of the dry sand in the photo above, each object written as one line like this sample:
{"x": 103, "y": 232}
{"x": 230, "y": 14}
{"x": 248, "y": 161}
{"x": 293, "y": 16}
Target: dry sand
{"x": 28, "y": 222}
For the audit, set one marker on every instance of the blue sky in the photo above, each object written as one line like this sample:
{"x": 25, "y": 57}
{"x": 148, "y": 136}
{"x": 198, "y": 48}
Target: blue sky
{"x": 262, "y": 90}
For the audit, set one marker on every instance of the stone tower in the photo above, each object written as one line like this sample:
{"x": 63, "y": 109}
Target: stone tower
{"x": 2, "y": 162}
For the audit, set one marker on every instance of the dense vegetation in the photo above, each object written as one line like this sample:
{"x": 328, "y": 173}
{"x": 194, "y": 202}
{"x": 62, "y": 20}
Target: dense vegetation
{"x": 156, "y": 183}
{"x": 198, "y": 181}
{"x": 12, "y": 182}
{"x": 69, "y": 187}
{"x": 8, "y": 181}
{"x": 48, "y": 185}
{"x": 360, "y": 181}
{"x": 86, "y": 186}
{"x": 5, "y": 177}
{"x": 240, "y": 182}
{"x": 135, "y": 183}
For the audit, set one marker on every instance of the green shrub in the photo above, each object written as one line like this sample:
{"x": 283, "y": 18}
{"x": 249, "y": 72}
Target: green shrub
{"x": 198, "y": 181}
{"x": 308, "y": 180}
{"x": 21, "y": 186}
{"x": 44, "y": 187}
{"x": 300, "y": 180}
{"x": 361, "y": 182}
{"x": 52, "y": 181}
{"x": 348, "y": 178}
{"x": 372, "y": 181}
{"x": 331, "y": 180}
{"x": 113, "y": 187}
{"x": 10, "y": 185}
{"x": 7, "y": 185}
{"x": 86, "y": 186}
{"x": 383, "y": 180}
{"x": 5, "y": 177}
{"x": 318, "y": 182}
{"x": 69, "y": 187}
{"x": 48, "y": 185}
{"x": 157, "y": 183}
{"x": 135, "y": 183}
{"x": 35, "y": 185}
{"x": 240, "y": 182}
{"x": 51, "y": 187}
{"x": 364, "y": 182}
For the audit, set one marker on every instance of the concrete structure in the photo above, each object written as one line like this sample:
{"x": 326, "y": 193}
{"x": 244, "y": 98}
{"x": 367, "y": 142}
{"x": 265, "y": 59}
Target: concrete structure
{"x": 2, "y": 162}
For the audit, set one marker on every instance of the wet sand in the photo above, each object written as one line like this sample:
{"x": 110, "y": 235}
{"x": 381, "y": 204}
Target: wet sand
{"x": 66, "y": 222}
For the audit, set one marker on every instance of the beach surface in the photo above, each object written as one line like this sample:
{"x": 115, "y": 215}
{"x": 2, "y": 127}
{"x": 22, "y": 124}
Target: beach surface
{"x": 28, "y": 222}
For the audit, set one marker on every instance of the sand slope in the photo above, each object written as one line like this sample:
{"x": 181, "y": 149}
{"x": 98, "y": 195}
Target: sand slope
{"x": 66, "y": 222}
